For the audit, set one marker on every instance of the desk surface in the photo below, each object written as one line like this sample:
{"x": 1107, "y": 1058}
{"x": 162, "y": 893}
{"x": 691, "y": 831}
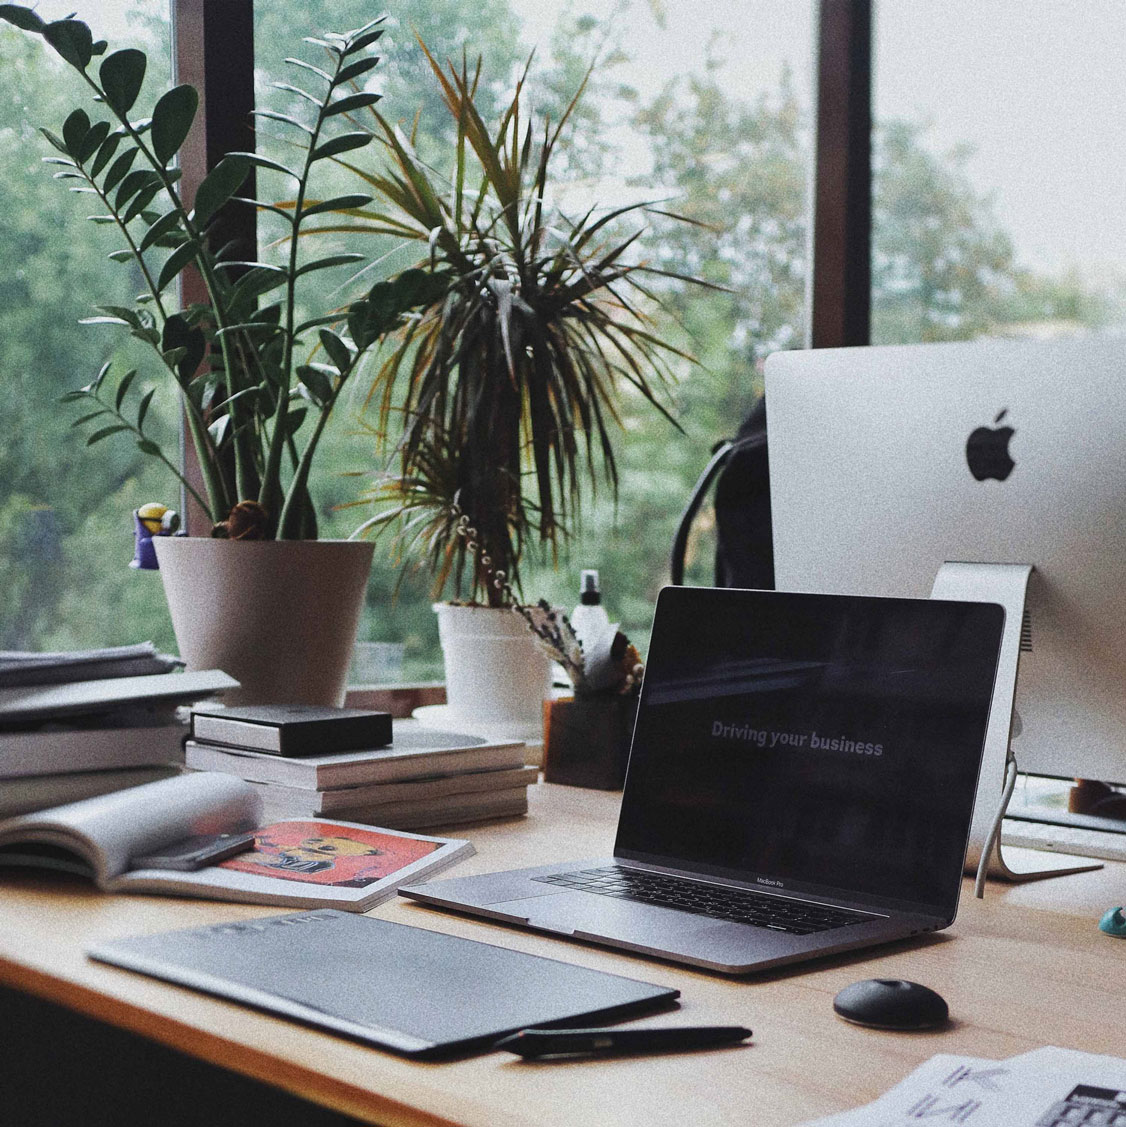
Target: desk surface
{"x": 1025, "y": 967}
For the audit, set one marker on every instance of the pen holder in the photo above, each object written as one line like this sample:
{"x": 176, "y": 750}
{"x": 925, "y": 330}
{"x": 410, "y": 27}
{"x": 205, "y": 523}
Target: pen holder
{"x": 587, "y": 740}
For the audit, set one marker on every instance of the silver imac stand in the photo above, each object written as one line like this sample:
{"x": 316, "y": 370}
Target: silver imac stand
{"x": 1006, "y": 584}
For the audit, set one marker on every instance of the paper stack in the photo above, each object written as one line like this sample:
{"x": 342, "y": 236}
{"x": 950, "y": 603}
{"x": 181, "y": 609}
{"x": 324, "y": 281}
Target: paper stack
{"x": 1048, "y": 1087}
{"x": 63, "y": 740}
{"x": 422, "y": 778}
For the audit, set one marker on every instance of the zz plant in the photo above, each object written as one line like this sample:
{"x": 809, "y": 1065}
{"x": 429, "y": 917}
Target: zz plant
{"x": 255, "y": 400}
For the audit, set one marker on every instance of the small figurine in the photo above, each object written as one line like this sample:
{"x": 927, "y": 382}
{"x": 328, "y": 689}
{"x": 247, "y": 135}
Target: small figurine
{"x": 151, "y": 520}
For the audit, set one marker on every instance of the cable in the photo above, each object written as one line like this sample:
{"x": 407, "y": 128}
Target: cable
{"x": 995, "y": 828}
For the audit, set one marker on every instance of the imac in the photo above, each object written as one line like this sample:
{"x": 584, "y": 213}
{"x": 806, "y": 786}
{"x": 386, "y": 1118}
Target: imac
{"x": 887, "y": 462}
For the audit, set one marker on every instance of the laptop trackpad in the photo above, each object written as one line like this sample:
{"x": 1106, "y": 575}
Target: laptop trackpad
{"x": 568, "y": 911}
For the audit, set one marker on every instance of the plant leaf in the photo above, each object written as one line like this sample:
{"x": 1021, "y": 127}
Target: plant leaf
{"x": 122, "y": 75}
{"x": 120, "y": 255}
{"x": 144, "y": 198}
{"x": 91, "y": 415}
{"x": 157, "y": 231}
{"x": 143, "y": 408}
{"x": 105, "y": 432}
{"x": 75, "y": 128}
{"x": 23, "y": 18}
{"x": 340, "y": 203}
{"x": 93, "y": 141}
{"x": 123, "y": 388}
{"x": 72, "y": 40}
{"x": 273, "y": 115}
{"x": 330, "y": 261}
{"x": 345, "y": 143}
{"x": 352, "y": 102}
{"x": 355, "y": 70}
{"x": 177, "y": 260}
{"x": 219, "y": 185}
{"x": 265, "y": 162}
{"x": 118, "y": 169}
{"x": 105, "y": 153}
{"x": 340, "y": 353}
{"x": 133, "y": 183}
{"x": 172, "y": 119}
{"x": 318, "y": 383}
{"x": 364, "y": 41}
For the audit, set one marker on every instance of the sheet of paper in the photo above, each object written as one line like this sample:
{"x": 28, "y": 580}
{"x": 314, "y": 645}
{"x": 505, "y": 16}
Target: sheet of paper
{"x": 1048, "y": 1087}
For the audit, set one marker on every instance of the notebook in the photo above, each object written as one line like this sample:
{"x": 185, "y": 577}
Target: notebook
{"x": 801, "y": 782}
{"x": 419, "y": 993}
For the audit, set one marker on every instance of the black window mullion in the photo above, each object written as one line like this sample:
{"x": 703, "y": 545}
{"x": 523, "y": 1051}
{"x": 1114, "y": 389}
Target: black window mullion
{"x": 841, "y": 287}
{"x": 213, "y": 50}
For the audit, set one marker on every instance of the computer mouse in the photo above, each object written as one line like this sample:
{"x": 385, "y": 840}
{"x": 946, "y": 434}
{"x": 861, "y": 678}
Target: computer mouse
{"x": 891, "y": 1003}
{"x": 1114, "y": 922}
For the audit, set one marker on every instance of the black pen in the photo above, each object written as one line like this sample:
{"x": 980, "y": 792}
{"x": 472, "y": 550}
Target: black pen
{"x": 532, "y": 1043}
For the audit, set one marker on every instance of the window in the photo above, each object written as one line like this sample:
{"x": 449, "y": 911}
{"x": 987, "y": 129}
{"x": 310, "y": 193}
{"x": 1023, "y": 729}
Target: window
{"x": 65, "y": 525}
{"x": 706, "y": 107}
{"x": 1000, "y": 139}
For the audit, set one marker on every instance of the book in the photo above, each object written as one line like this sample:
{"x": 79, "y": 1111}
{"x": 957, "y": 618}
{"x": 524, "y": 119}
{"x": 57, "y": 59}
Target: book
{"x": 293, "y": 729}
{"x": 300, "y": 802}
{"x": 447, "y": 810}
{"x": 59, "y": 750}
{"x": 36, "y": 703}
{"x": 38, "y": 792}
{"x": 415, "y": 752}
{"x": 307, "y": 863}
{"x": 19, "y": 667}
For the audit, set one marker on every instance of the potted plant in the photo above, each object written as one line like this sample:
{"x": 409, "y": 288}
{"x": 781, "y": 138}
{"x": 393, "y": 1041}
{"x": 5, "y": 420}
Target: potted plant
{"x": 261, "y": 598}
{"x": 506, "y": 379}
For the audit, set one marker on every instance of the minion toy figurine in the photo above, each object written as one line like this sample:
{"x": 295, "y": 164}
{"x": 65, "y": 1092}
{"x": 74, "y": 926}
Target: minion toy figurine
{"x": 151, "y": 520}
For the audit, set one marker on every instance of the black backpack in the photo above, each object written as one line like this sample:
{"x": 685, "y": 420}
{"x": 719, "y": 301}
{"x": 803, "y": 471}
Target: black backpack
{"x": 745, "y": 549}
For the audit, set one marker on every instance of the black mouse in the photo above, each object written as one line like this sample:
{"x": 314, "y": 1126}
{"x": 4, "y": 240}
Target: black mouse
{"x": 891, "y": 1003}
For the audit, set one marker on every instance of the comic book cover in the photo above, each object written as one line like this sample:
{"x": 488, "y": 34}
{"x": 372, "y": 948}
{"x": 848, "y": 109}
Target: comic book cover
{"x": 328, "y": 853}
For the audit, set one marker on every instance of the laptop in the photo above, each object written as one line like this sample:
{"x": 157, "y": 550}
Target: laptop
{"x": 801, "y": 782}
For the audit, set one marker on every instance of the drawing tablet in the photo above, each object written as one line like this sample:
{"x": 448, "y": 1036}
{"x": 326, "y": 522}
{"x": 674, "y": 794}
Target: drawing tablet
{"x": 415, "y": 992}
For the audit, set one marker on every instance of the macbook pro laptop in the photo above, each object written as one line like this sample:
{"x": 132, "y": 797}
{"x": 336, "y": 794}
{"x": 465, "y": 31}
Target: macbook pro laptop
{"x": 801, "y": 782}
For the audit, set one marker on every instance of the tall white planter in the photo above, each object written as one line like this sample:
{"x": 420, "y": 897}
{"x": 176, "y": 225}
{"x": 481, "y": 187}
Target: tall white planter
{"x": 280, "y": 616}
{"x": 496, "y": 675}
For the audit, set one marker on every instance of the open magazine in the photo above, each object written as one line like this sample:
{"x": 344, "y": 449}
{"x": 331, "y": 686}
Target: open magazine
{"x": 311, "y": 863}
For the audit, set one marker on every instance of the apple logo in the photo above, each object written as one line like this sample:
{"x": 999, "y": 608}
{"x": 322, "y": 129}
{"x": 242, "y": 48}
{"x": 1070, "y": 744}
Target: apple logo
{"x": 987, "y": 451}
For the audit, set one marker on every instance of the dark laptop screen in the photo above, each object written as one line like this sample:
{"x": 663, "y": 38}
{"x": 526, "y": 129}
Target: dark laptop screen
{"x": 812, "y": 742}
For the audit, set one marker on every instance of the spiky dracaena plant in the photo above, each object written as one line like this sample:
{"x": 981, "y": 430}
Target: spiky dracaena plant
{"x": 508, "y": 378}
{"x": 236, "y": 361}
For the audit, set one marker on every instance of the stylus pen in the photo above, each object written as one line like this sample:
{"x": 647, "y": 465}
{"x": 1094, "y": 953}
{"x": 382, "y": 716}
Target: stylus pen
{"x": 530, "y": 1043}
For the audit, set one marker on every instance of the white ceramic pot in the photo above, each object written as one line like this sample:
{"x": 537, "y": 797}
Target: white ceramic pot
{"x": 280, "y": 616}
{"x": 496, "y": 675}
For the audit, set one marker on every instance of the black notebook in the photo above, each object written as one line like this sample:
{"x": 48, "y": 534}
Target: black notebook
{"x": 415, "y": 992}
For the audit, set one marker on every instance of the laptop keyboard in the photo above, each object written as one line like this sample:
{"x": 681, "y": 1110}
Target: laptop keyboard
{"x": 715, "y": 901}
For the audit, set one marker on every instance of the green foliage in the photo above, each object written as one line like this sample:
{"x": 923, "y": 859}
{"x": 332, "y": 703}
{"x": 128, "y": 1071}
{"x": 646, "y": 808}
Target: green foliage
{"x": 508, "y": 376}
{"x": 242, "y": 407}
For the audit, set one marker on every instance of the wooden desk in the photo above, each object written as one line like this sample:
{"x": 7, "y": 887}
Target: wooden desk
{"x": 1023, "y": 968}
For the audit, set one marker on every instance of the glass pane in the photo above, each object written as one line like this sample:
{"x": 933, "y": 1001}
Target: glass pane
{"x": 65, "y": 512}
{"x": 705, "y": 107}
{"x": 999, "y": 197}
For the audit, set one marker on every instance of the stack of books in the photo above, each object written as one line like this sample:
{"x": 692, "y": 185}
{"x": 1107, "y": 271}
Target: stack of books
{"x": 118, "y": 725}
{"x": 421, "y": 778}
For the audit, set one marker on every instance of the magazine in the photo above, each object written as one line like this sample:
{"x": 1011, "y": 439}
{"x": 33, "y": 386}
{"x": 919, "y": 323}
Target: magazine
{"x": 307, "y": 863}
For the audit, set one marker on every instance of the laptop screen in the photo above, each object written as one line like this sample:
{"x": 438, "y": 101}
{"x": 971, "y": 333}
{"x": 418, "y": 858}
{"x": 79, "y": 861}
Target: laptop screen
{"x": 812, "y": 743}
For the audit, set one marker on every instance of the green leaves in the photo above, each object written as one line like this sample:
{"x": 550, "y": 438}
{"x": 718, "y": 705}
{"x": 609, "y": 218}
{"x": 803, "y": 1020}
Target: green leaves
{"x": 72, "y": 40}
{"x": 340, "y": 203}
{"x": 122, "y": 75}
{"x": 352, "y": 103}
{"x": 172, "y": 119}
{"x": 220, "y": 184}
{"x": 343, "y": 143}
{"x": 177, "y": 260}
{"x": 23, "y": 18}
{"x": 75, "y": 128}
